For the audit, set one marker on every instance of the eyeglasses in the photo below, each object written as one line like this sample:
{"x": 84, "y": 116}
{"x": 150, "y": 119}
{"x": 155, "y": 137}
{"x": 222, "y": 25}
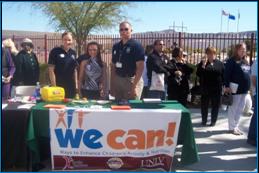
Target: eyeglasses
{"x": 161, "y": 44}
{"x": 124, "y": 29}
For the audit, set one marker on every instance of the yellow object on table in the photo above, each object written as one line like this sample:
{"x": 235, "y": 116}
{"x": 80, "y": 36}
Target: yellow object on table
{"x": 52, "y": 94}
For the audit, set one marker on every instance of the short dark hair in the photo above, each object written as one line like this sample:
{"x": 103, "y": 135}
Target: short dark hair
{"x": 157, "y": 41}
{"x": 125, "y": 22}
{"x": 176, "y": 52}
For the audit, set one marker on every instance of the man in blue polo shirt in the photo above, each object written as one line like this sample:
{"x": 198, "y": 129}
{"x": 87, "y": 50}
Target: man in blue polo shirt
{"x": 127, "y": 66}
{"x": 62, "y": 66}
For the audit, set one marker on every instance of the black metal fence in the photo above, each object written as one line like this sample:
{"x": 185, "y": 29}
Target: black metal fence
{"x": 193, "y": 44}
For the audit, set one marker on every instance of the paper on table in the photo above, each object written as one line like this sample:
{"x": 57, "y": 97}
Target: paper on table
{"x": 4, "y": 106}
{"x": 120, "y": 107}
{"x": 54, "y": 106}
{"x": 26, "y": 106}
{"x": 151, "y": 100}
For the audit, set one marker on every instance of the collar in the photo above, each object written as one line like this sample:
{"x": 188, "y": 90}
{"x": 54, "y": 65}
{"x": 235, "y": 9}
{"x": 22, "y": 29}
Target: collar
{"x": 62, "y": 47}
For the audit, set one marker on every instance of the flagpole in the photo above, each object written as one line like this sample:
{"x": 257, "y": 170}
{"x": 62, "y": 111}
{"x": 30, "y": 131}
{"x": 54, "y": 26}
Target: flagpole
{"x": 238, "y": 16}
{"x": 228, "y": 24}
{"x": 221, "y": 21}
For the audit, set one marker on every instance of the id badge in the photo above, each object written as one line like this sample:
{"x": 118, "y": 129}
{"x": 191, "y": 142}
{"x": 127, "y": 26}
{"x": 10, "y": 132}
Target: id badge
{"x": 118, "y": 65}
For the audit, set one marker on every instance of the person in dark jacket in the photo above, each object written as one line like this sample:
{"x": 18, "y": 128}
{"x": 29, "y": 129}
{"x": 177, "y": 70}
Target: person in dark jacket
{"x": 210, "y": 71}
{"x": 159, "y": 63}
{"x": 178, "y": 84}
{"x": 237, "y": 71}
{"x": 27, "y": 65}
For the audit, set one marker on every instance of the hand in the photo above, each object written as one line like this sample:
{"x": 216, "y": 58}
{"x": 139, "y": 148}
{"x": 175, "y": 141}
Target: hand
{"x": 112, "y": 92}
{"x": 204, "y": 61}
{"x": 7, "y": 79}
{"x": 133, "y": 93}
{"x": 227, "y": 90}
{"x": 102, "y": 93}
{"x": 178, "y": 73}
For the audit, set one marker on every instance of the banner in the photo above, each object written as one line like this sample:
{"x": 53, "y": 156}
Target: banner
{"x": 105, "y": 139}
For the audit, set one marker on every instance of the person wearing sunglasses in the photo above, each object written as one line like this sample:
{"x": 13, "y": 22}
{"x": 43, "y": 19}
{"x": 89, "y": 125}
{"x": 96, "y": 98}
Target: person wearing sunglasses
{"x": 127, "y": 66}
{"x": 159, "y": 63}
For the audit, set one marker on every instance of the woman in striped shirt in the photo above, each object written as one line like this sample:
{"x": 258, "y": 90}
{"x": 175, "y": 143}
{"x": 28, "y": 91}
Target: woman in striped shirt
{"x": 92, "y": 73}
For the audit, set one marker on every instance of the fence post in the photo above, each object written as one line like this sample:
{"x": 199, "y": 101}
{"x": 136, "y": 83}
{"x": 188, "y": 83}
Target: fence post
{"x": 45, "y": 47}
{"x": 252, "y": 47}
{"x": 13, "y": 38}
{"x": 180, "y": 39}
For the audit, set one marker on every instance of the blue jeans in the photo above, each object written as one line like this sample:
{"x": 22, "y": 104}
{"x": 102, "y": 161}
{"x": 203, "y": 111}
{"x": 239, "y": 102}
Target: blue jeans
{"x": 156, "y": 94}
{"x": 252, "y": 133}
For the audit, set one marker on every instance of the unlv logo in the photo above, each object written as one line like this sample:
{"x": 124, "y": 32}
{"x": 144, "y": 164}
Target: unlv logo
{"x": 152, "y": 162}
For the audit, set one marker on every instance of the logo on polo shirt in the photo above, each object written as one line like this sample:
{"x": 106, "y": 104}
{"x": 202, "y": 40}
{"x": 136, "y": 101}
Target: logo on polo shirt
{"x": 114, "y": 52}
{"x": 62, "y": 55}
{"x": 73, "y": 56}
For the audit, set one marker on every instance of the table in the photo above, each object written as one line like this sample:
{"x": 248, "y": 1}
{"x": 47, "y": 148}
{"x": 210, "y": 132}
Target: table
{"x": 38, "y": 129}
{"x": 14, "y": 130}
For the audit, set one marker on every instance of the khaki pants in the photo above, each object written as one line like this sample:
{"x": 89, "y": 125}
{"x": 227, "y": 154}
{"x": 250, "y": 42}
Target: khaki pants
{"x": 123, "y": 85}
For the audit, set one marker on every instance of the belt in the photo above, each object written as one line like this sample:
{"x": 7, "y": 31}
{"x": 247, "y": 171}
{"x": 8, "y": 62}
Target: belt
{"x": 125, "y": 75}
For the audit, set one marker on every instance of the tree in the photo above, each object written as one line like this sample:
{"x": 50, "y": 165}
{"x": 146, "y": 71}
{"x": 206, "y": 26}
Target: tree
{"x": 81, "y": 18}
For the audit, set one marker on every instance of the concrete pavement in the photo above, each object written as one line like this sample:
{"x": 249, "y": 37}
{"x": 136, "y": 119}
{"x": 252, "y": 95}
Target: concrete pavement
{"x": 219, "y": 150}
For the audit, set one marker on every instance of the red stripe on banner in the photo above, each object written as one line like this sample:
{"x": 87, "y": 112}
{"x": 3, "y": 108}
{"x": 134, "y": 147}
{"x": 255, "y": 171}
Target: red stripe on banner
{"x": 161, "y": 161}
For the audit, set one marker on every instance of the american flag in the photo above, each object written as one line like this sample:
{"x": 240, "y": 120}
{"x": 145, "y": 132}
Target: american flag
{"x": 224, "y": 13}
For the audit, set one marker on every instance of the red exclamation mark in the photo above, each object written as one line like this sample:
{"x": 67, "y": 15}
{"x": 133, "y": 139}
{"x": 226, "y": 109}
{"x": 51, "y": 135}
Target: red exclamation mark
{"x": 170, "y": 133}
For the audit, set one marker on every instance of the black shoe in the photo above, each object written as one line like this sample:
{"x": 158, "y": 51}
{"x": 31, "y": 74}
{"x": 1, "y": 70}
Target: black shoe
{"x": 212, "y": 124}
{"x": 36, "y": 167}
{"x": 203, "y": 124}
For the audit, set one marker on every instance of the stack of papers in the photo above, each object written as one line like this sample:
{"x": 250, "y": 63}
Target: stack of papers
{"x": 151, "y": 100}
{"x": 25, "y": 106}
{"x": 4, "y": 106}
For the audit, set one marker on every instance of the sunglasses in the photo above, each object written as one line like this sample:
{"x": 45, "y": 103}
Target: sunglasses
{"x": 92, "y": 49}
{"x": 124, "y": 29}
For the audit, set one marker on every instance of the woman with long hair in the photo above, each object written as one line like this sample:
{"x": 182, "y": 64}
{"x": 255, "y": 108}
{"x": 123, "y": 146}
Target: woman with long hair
{"x": 92, "y": 80}
{"x": 237, "y": 71}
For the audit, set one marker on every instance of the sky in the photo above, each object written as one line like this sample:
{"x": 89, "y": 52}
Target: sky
{"x": 197, "y": 17}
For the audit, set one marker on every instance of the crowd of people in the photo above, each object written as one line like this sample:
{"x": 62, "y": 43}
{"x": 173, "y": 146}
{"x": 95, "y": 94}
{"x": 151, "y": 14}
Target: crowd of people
{"x": 135, "y": 73}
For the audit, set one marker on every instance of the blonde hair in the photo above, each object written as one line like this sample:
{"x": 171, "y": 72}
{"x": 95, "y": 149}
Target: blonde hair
{"x": 210, "y": 50}
{"x": 8, "y": 43}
